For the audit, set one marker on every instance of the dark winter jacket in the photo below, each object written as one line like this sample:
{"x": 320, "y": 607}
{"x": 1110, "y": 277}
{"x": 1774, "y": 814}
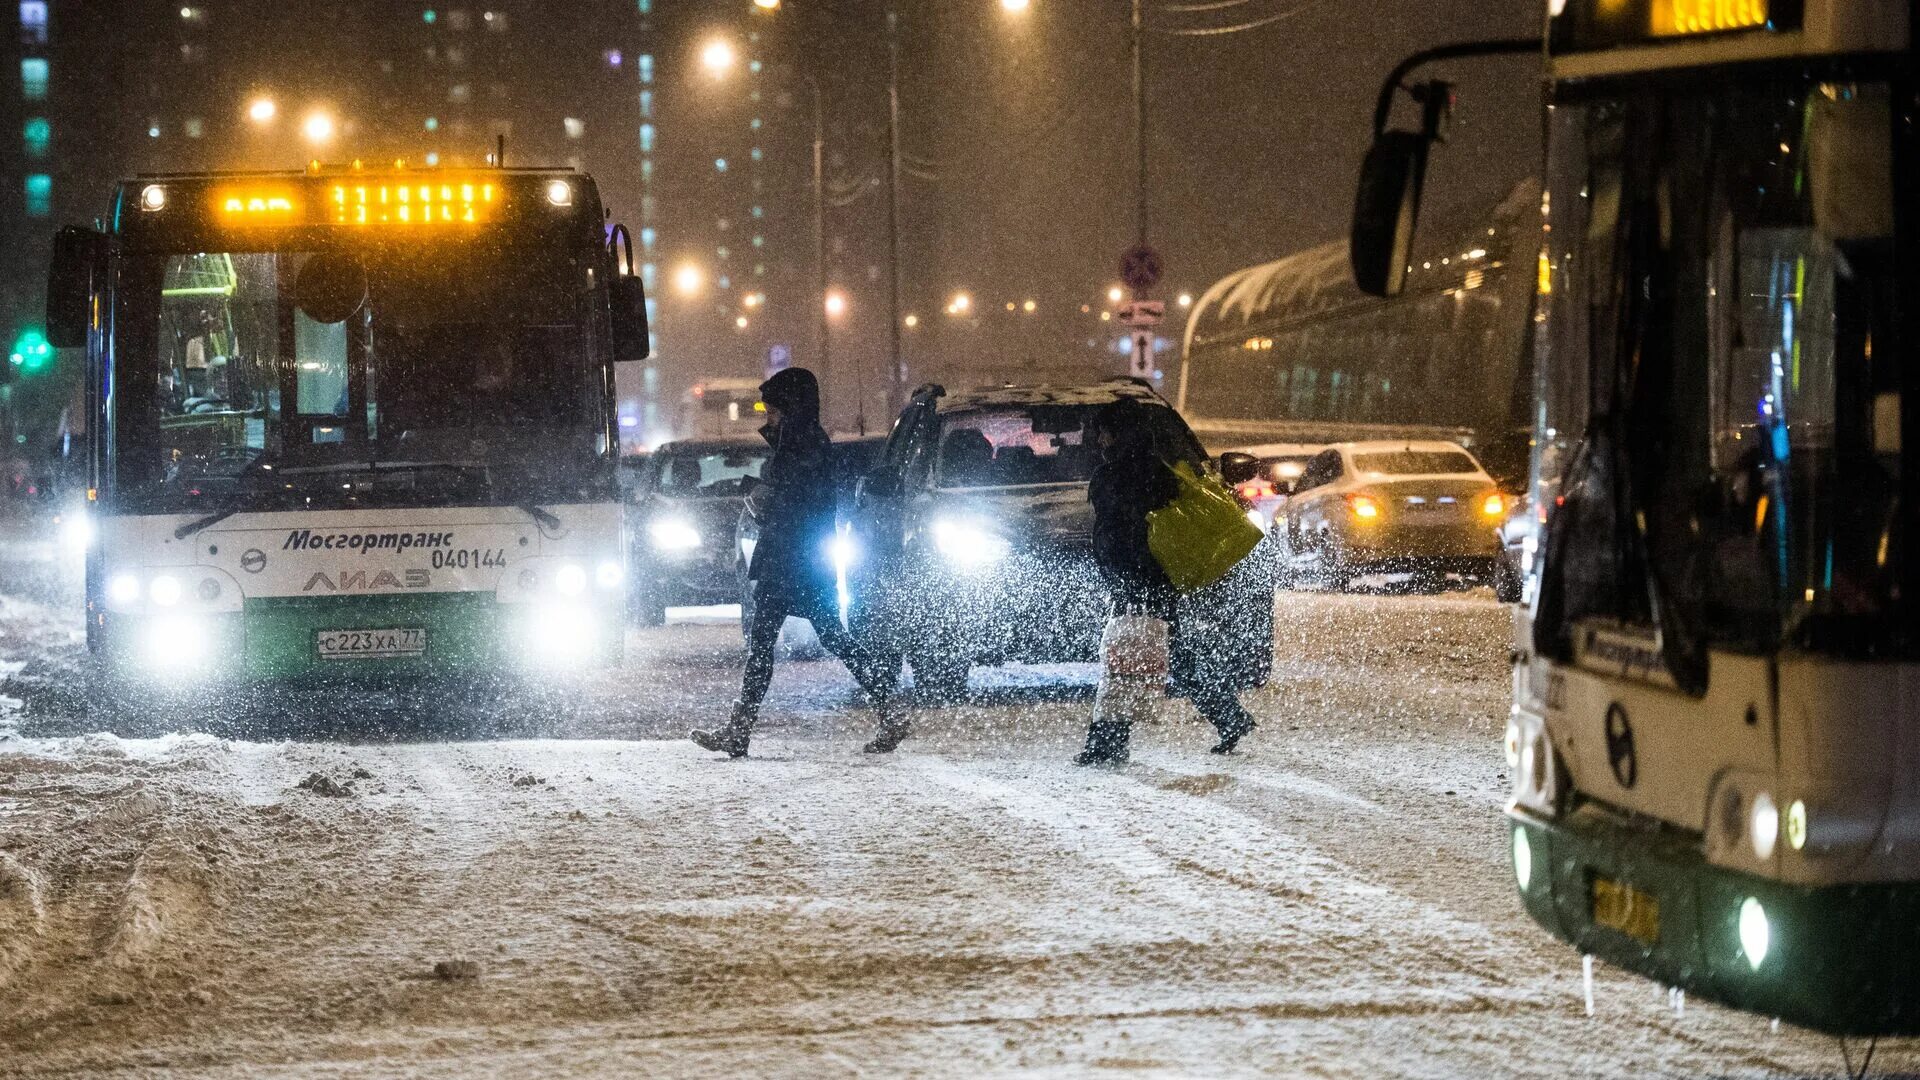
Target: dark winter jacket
{"x": 1129, "y": 484}
{"x": 795, "y": 501}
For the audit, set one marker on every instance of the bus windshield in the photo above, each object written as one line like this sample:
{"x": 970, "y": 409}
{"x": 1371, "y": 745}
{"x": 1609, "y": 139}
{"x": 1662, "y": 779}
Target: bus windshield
{"x": 465, "y": 376}
{"x": 1722, "y": 370}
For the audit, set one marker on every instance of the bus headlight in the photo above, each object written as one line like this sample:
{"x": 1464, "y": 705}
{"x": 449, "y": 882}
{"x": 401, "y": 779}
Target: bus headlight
{"x": 570, "y": 580}
{"x": 1755, "y": 934}
{"x": 968, "y": 545}
{"x": 123, "y": 590}
{"x": 76, "y": 532}
{"x": 559, "y": 193}
{"x": 164, "y": 590}
{"x": 1763, "y": 825}
{"x": 672, "y": 534}
{"x": 609, "y": 574}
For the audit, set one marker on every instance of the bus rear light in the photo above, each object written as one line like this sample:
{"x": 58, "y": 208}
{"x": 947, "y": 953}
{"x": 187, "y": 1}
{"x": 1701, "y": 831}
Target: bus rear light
{"x": 1493, "y": 505}
{"x": 1365, "y": 507}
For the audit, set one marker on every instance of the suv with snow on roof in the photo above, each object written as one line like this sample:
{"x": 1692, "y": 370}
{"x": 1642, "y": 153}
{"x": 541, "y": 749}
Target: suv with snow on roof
{"x": 973, "y": 537}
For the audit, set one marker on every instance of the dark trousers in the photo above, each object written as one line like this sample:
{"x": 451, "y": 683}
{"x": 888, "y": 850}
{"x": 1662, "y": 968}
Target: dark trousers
{"x": 772, "y": 608}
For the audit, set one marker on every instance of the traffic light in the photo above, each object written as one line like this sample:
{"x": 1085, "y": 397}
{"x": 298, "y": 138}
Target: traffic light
{"x": 31, "y": 351}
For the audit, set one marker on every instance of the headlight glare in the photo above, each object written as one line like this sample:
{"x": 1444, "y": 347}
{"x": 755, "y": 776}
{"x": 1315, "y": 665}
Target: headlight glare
{"x": 968, "y": 545}
{"x": 177, "y": 644}
{"x": 1755, "y": 935}
{"x": 1522, "y": 858}
{"x": 570, "y": 580}
{"x": 609, "y": 574}
{"x": 672, "y": 534}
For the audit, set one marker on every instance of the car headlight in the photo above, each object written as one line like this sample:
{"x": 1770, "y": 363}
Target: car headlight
{"x": 76, "y": 532}
{"x": 844, "y": 552}
{"x": 1756, "y": 936}
{"x": 570, "y": 580}
{"x": 672, "y": 534}
{"x": 560, "y": 634}
{"x": 968, "y": 545}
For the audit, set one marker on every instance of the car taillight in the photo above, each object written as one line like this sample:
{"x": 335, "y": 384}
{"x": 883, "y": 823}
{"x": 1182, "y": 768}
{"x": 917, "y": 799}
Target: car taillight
{"x": 1255, "y": 489}
{"x": 1494, "y": 505}
{"x": 1364, "y": 506}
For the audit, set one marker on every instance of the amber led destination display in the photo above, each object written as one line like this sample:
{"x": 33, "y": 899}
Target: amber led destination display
{"x": 1679, "y": 18}
{"x": 1581, "y": 25}
{"x": 424, "y": 203}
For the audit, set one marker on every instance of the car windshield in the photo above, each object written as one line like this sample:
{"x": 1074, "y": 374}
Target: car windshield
{"x": 234, "y": 382}
{"x": 710, "y": 472}
{"x": 1415, "y": 463}
{"x": 1036, "y": 444}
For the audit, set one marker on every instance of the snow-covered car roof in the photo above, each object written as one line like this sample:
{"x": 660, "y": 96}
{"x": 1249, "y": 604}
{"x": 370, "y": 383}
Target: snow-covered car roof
{"x": 1048, "y": 394}
{"x": 1280, "y": 449}
{"x": 1424, "y": 446}
{"x": 706, "y": 446}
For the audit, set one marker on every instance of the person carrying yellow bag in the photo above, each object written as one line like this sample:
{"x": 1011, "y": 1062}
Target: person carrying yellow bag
{"x": 1128, "y": 489}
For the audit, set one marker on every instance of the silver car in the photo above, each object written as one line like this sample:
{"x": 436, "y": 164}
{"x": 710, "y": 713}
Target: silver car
{"x": 1424, "y": 508}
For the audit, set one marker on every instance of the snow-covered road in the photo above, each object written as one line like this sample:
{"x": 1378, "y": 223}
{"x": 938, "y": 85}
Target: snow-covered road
{"x": 606, "y": 900}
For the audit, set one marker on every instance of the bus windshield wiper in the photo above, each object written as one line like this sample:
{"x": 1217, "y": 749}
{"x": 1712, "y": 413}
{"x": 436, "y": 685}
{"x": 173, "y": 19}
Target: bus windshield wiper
{"x": 546, "y": 518}
{"x": 207, "y": 522}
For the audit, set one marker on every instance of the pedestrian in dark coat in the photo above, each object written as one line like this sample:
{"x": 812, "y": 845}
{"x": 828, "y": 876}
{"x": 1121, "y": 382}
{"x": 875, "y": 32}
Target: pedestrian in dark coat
{"x": 791, "y": 573}
{"x": 1132, "y": 481}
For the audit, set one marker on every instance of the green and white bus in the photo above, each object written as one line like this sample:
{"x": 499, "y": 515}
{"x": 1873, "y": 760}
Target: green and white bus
{"x": 351, "y": 428}
{"x": 1715, "y": 737}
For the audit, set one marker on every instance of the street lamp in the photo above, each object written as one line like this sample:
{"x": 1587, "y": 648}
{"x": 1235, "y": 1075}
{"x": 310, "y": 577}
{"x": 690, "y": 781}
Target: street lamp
{"x": 718, "y": 57}
{"x": 1116, "y": 294}
{"x": 262, "y": 110}
{"x": 318, "y": 127}
{"x": 1014, "y": 6}
{"x": 688, "y": 280}
{"x": 960, "y": 304}
{"x": 836, "y": 304}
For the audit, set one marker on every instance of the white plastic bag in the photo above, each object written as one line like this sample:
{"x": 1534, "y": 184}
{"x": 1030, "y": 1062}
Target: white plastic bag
{"x": 1133, "y": 669}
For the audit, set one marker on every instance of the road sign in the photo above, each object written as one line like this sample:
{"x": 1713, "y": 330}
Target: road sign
{"x": 1140, "y": 363}
{"x": 1140, "y": 268}
{"x": 779, "y": 358}
{"x": 1144, "y": 314}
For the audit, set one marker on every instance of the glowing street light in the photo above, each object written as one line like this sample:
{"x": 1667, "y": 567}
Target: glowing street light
{"x": 1186, "y": 299}
{"x": 262, "y": 110}
{"x": 1116, "y": 294}
{"x": 1030, "y": 306}
{"x": 318, "y": 127}
{"x": 960, "y": 304}
{"x": 836, "y": 304}
{"x": 1015, "y": 6}
{"x": 718, "y": 57}
{"x": 911, "y": 321}
{"x": 688, "y": 280}
{"x": 767, "y": 5}
{"x": 740, "y": 323}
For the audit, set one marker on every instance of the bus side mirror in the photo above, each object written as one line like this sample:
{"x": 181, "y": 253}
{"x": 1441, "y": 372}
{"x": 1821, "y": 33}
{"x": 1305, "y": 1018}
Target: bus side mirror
{"x": 628, "y": 299}
{"x": 77, "y": 255}
{"x": 1385, "y": 211}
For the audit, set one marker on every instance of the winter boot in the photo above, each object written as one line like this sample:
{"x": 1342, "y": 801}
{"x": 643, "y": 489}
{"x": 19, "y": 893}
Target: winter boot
{"x": 894, "y": 730}
{"x": 731, "y": 739}
{"x": 1106, "y": 743}
{"x": 1231, "y": 733}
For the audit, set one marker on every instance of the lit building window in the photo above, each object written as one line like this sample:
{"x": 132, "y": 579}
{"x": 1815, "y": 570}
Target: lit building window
{"x": 759, "y": 211}
{"x": 646, "y": 138}
{"x": 153, "y": 129}
{"x": 459, "y": 93}
{"x": 33, "y": 22}
{"x": 193, "y": 14}
{"x": 496, "y": 21}
{"x": 459, "y": 20}
{"x": 614, "y": 58}
{"x": 646, "y": 68}
{"x": 646, "y": 104}
{"x": 759, "y": 241}
{"x": 39, "y": 195}
{"x": 754, "y": 153}
{"x": 33, "y": 79}
{"x": 646, "y": 170}
{"x": 194, "y": 127}
{"x": 648, "y": 272}
{"x": 648, "y": 236}
{"x": 433, "y": 123}
{"x": 719, "y": 164}
{"x": 753, "y": 66}
{"x": 429, "y": 16}
{"x": 646, "y": 7}
{"x": 39, "y": 135}
{"x": 755, "y": 125}
{"x": 576, "y": 127}
{"x": 433, "y": 158}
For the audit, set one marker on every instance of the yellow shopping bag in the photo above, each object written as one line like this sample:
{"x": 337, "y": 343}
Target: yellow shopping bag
{"x": 1202, "y": 534}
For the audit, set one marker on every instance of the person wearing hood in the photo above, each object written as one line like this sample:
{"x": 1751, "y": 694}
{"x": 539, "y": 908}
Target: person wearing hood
{"x": 791, "y": 572}
{"x": 1131, "y": 481}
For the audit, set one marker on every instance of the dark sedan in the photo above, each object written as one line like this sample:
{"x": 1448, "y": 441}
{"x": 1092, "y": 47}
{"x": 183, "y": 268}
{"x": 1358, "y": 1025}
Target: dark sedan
{"x": 680, "y": 531}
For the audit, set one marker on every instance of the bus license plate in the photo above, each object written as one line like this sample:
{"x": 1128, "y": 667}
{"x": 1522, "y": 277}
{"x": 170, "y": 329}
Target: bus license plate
{"x": 1622, "y": 907}
{"x": 371, "y": 644}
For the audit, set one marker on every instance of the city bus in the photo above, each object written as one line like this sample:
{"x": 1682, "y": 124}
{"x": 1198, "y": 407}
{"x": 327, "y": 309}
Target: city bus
{"x": 1715, "y": 735}
{"x": 352, "y": 428}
